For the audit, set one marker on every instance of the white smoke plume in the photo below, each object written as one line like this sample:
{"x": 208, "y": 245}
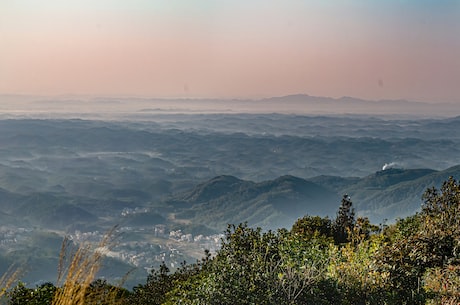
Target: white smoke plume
{"x": 389, "y": 165}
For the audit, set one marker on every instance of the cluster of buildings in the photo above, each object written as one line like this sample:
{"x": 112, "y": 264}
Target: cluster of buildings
{"x": 148, "y": 247}
{"x": 10, "y": 236}
{"x": 143, "y": 247}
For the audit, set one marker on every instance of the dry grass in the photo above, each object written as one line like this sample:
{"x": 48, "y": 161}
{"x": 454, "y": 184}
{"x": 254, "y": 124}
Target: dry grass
{"x": 7, "y": 279}
{"x": 75, "y": 274}
{"x": 77, "y": 270}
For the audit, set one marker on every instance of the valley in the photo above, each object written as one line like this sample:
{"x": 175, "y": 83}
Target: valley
{"x": 171, "y": 183}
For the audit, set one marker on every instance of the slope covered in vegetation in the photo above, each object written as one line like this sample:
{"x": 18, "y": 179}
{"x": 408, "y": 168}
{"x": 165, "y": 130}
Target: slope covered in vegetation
{"x": 345, "y": 260}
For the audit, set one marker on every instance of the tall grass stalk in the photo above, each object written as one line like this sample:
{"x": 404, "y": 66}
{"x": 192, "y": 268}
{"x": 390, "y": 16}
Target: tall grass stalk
{"x": 76, "y": 276}
{"x": 8, "y": 278}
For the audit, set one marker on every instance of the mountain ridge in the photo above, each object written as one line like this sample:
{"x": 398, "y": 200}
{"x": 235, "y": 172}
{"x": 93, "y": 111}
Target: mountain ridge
{"x": 385, "y": 194}
{"x": 98, "y": 106}
{"x": 288, "y": 197}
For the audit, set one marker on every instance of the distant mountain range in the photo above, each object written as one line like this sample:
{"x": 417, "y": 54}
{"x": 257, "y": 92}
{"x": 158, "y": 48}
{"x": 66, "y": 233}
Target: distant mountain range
{"x": 305, "y": 103}
{"x": 385, "y": 195}
{"x": 97, "y": 107}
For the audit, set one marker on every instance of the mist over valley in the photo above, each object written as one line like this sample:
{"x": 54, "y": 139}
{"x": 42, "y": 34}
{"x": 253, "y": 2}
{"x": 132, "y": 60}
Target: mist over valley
{"x": 171, "y": 179}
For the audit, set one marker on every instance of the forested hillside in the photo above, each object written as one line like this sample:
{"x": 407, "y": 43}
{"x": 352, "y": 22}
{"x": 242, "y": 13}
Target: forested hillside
{"x": 344, "y": 260}
{"x": 172, "y": 182}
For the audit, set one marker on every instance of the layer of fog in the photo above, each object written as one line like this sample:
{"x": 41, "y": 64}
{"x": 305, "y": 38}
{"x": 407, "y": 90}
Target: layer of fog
{"x": 130, "y": 108}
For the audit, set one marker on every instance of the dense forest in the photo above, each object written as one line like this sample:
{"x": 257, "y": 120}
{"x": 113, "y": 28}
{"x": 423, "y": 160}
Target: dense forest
{"x": 345, "y": 260}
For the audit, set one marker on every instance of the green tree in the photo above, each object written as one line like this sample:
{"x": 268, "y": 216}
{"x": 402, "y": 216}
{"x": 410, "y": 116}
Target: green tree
{"x": 344, "y": 221}
{"x": 302, "y": 269}
{"x": 101, "y": 292}
{"x": 40, "y": 295}
{"x": 164, "y": 287}
{"x": 424, "y": 246}
{"x": 440, "y": 247}
{"x": 255, "y": 267}
{"x": 397, "y": 258}
{"x": 309, "y": 227}
{"x": 356, "y": 272}
{"x": 244, "y": 270}
{"x": 159, "y": 282}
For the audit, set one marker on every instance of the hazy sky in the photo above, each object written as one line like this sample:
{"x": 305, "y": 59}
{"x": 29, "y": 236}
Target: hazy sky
{"x": 239, "y": 48}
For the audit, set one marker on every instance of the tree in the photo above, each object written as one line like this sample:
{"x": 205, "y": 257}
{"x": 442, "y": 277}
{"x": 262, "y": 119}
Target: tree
{"x": 357, "y": 274}
{"x": 244, "y": 270}
{"x": 440, "y": 247}
{"x": 101, "y": 292}
{"x": 40, "y": 295}
{"x": 345, "y": 221}
{"x": 255, "y": 267}
{"x": 163, "y": 287}
{"x": 424, "y": 248}
{"x": 313, "y": 227}
{"x": 159, "y": 282}
{"x": 302, "y": 268}
{"x": 362, "y": 230}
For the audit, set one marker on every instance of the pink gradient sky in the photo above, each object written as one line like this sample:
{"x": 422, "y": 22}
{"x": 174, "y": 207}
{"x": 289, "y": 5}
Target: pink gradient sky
{"x": 232, "y": 49}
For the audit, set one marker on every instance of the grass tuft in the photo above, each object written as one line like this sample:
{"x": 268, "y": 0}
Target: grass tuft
{"x": 11, "y": 276}
{"x": 75, "y": 277}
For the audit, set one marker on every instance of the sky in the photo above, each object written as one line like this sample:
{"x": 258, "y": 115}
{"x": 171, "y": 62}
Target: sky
{"x": 232, "y": 49}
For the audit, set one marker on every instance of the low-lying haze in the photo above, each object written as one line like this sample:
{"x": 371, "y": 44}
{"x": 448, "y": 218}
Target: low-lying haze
{"x": 129, "y": 108}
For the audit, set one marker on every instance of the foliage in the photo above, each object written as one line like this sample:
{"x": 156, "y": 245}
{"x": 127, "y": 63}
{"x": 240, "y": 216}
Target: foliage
{"x": 356, "y": 272}
{"x": 162, "y": 285}
{"x": 244, "y": 270}
{"x": 319, "y": 261}
{"x": 159, "y": 282}
{"x": 255, "y": 267}
{"x": 444, "y": 284}
{"x": 40, "y": 295}
{"x": 440, "y": 247}
{"x": 424, "y": 246}
{"x": 344, "y": 221}
{"x": 303, "y": 267}
{"x": 101, "y": 292}
{"x": 313, "y": 227}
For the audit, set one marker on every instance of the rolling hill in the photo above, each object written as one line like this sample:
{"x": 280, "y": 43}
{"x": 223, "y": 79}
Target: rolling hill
{"x": 383, "y": 196}
{"x": 389, "y": 194}
{"x": 269, "y": 204}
